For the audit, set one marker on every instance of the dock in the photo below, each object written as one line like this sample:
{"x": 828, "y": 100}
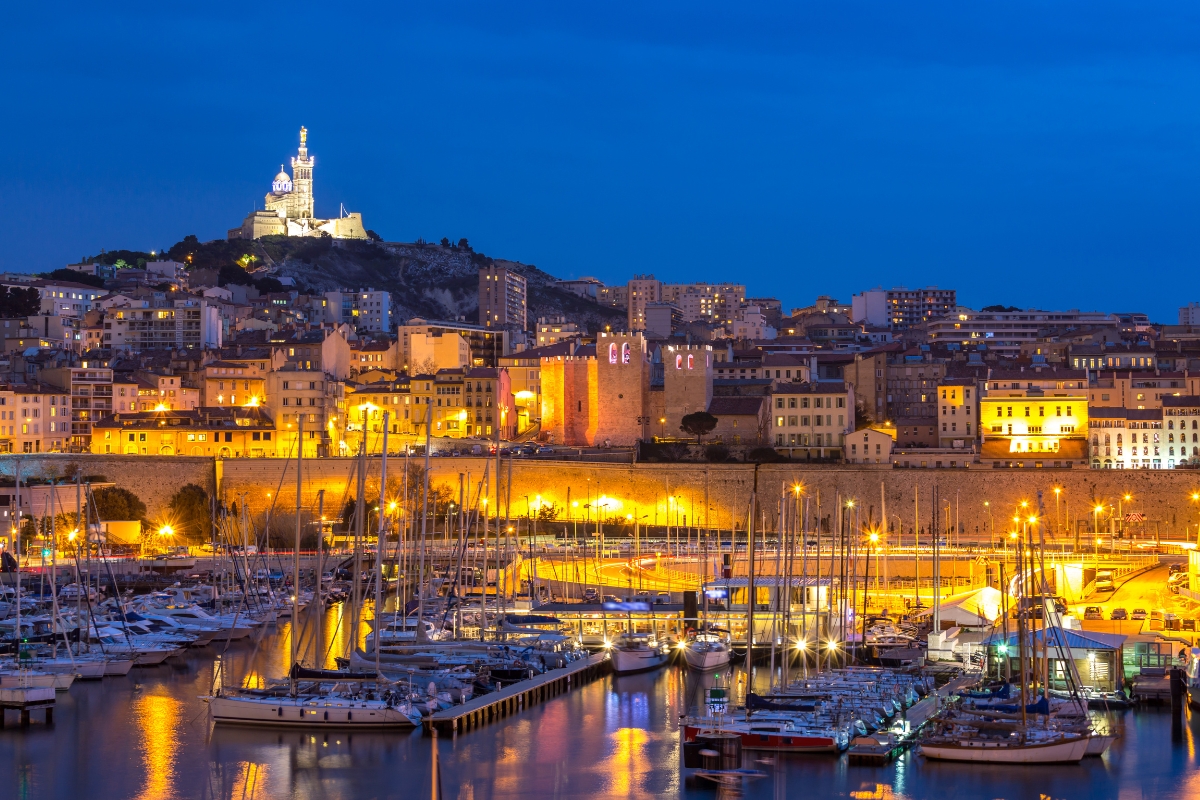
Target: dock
{"x": 920, "y": 712}
{"x": 511, "y": 699}
{"x": 25, "y": 699}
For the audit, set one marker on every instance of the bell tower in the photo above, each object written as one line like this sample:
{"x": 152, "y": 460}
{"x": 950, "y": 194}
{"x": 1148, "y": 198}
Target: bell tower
{"x": 300, "y": 201}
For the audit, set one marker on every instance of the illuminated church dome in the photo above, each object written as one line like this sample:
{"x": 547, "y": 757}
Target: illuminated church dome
{"x": 282, "y": 183}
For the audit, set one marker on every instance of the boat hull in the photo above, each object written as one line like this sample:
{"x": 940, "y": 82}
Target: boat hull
{"x": 627, "y": 662}
{"x": 1098, "y": 744}
{"x": 783, "y": 742}
{"x": 286, "y": 712}
{"x": 117, "y": 668}
{"x": 1062, "y": 752}
{"x": 705, "y": 660}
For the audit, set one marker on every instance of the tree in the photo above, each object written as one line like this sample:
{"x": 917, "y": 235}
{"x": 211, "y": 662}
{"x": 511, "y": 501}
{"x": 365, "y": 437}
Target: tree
{"x": 999, "y": 309}
{"x": 64, "y": 274}
{"x": 16, "y": 302}
{"x": 190, "y": 512}
{"x": 114, "y": 503}
{"x": 862, "y": 416}
{"x": 463, "y": 245}
{"x": 445, "y": 242}
{"x": 698, "y": 423}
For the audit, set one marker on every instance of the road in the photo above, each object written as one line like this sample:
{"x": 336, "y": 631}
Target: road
{"x": 1146, "y": 590}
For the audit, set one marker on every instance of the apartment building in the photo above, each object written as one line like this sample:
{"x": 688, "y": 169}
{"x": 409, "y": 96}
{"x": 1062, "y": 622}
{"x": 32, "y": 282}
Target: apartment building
{"x": 308, "y": 398}
{"x": 643, "y": 290}
{"x": 213, "y": 432}
{"x": 227, "y": 384}
{"x": 485, "y": 345}
{"x": 91, "y": 393}
{"x": 551, "y": 330}
{"x": 811, "y": 420}
{"x": 503, "y": 298}
{"x": 365, "y": 308}
{"x": 161, "y": 322}
{"x": 1125, "y": 438}
{"x": 900, "y": 308}
{"x": 1004, "y": 332}
{"x": 958, "y": 412}
{"x": 366, "y": 406}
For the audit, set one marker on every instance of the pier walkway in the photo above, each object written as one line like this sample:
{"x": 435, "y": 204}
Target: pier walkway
{"x": 514, "y": 698}
{"x": 921, "y": 711}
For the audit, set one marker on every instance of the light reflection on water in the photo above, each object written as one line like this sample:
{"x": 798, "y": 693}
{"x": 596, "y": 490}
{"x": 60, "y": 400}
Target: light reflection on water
{"x": 147, "y": 736}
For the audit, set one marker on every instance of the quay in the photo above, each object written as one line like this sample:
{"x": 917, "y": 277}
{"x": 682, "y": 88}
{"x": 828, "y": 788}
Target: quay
{"x": 25, "y": 699}
{"x": 518, "y": 696}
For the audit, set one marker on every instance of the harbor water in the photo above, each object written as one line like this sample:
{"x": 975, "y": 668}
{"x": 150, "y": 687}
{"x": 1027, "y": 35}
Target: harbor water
{"x": 148, "y": 736}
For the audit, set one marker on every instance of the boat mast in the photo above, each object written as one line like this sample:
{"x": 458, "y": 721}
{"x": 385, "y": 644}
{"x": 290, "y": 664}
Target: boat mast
{"x": 296, "y": 551}
{"x": 424, "y": 519}
{"x": 750, "y": 598}
{"x": 359, "y": 505}
{"x": 318, "y": 601}
{"x": 379, "y": 540}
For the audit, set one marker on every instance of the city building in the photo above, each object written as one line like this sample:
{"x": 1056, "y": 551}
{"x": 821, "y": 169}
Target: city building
{"x": 502, "y": 298}
{"x": 687, "y": 384}
{"x": 1125, "y": 438}
{"x": 1181, "y": 415}
{"x": 161, "y": 322}
{"x": 308, "y": 398}
{"x": 486, "y": 345}
{"x": 661, "y": 320}
{"x": 1190, "y": 314}
{"x": 900, "y": 308}
{"x": 289, "y": 209}
{"x": 868, "y": 446}
{"x": 586, "y": 287}
{"x": 231, "y": 383}
{"x": 958, "y": 412}
{"x": 740, "y": 420}
{"x": 1004, "y": 332}
{"x": 213, "y": 432}
{"x": 551, "y": 330}
{"x": 1042, "y": 417}
{"x": 643, "y": 290}
{"x": 811, "y": 420}
{"x": 365, "y": 308}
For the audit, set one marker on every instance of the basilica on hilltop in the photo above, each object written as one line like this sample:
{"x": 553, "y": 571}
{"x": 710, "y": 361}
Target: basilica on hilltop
{"x": 289, "y": 211}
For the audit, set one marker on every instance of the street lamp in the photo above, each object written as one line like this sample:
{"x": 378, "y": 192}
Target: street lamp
{"x": 1096, "y": 526}
{"x": 991, "y": 524}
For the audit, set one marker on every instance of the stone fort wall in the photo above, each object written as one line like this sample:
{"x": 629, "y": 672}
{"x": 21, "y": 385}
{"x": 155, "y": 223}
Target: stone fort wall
{"x": 656, "y": 491}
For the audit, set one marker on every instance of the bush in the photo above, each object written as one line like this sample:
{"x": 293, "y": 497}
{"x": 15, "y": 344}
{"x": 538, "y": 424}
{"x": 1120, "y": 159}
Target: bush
{"x": 716, "y": 453}
{"x": 764, "y": 455}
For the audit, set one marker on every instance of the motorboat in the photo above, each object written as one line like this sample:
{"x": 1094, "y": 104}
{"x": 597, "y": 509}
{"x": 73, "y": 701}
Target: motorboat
{"x": 638, "y": 652}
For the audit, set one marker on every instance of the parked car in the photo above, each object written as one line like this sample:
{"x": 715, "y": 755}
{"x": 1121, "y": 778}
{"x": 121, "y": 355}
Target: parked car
{"x": 545, "y": 451}
{"x": 1139, "y": 613}
{"x": 1119, "y": 614}
{"x": 505, "y": 452}
{"x": 662, "y": 598}
{"x": 1093, "y": 612}
{"x": 611, "y": 598}
{"x": 591, "y": 596}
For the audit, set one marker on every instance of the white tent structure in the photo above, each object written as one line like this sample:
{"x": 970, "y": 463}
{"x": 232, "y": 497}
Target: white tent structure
{"x": 977, "y": 609}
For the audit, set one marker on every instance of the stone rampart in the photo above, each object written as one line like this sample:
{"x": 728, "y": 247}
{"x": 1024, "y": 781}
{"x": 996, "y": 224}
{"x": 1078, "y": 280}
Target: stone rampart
{"x": 656, "y": 492}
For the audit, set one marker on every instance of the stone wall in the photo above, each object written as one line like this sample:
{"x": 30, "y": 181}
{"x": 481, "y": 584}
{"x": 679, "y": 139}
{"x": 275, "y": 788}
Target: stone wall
{"x": 656, "y": 491}
{"x": 154, "y": 479}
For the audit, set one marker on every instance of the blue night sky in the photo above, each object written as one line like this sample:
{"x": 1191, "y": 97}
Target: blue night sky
{"x": 1034, "y": 154}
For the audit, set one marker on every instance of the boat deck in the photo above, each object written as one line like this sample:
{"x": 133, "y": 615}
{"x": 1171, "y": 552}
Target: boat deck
{"x": 512, "y": 699}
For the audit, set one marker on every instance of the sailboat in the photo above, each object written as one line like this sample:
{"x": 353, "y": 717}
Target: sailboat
{"x": 985, "y": 736}
{"x": 316, "y": 697}
{"x": 706, "y": 650}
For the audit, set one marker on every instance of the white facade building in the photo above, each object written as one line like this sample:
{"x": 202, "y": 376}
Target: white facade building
{"x": 366, "y": 308}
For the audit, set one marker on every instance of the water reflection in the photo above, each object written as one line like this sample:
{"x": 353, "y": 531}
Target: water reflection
{"x": 157, "y": 720}
{"x": 148, "y": 736}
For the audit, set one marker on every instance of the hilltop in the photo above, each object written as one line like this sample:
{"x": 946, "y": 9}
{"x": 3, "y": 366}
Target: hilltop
{"x": 435, "y": 281}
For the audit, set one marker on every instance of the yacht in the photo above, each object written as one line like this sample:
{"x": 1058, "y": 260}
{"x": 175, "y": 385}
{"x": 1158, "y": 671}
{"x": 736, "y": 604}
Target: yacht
{"x": 706, "y": 651}
{"x": 638, "y": 652}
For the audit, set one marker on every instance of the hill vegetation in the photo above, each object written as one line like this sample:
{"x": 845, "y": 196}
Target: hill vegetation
{"x": 434, "y": 281}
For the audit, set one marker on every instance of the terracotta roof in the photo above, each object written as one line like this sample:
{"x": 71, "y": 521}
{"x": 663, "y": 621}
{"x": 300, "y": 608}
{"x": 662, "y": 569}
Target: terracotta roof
{"x": 735, "y": 406}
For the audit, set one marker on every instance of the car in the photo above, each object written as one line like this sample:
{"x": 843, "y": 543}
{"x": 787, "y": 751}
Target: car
{"x": 591, "y": 596}
{"x": 545, "y": 451}
{"x": 1119, "y": 614}
{"x": 662, "y": 598}
{"x": 611, "y": 598}
{"x": 1139, "y": 613}
{"x": 1177, "y": 578}
{"x": 1093, "y": 612}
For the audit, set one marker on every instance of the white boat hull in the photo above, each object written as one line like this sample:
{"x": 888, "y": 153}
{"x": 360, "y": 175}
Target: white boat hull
{"x": 705, "y": 659}
{"x": 84, "y": 669}
{"x": 37, "y": 680}
{"x": 314, "y": 713}
{"x": 117, "y": 667}
{"x": 1098, "y": 744}
{"x": 625, "y": 662}
{"x": 1060, "y": 752}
